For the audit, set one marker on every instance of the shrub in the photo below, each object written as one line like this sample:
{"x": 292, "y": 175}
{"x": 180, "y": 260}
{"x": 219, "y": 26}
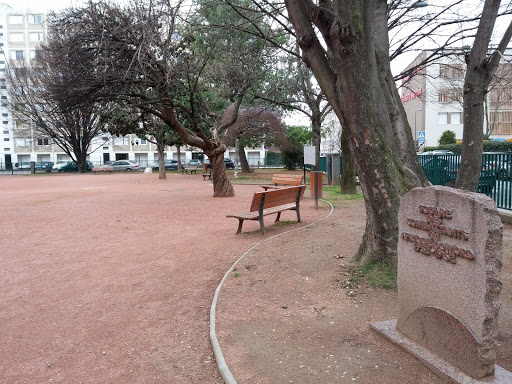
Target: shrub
{"x": 447, "y": 137}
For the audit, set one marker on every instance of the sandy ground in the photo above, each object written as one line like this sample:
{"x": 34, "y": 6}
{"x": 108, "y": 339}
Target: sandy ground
{"x": 109, "y": 279}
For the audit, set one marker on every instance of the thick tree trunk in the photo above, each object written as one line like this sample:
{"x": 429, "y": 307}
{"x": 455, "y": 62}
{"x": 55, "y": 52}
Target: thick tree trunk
{"x": 479, "y": 73}
{"x": 243, "y": 160}
{"x": 222, "y": 187}
{"x": 81, "y": 161}
{"x": 348, "y": 172}
{"x": 472, "y": 145}
{"x": 349, "y": 77}
{"x": 162, "y": 175}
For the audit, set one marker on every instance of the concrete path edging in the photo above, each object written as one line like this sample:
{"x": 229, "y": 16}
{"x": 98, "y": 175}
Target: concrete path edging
{"x": 225, "y": 372}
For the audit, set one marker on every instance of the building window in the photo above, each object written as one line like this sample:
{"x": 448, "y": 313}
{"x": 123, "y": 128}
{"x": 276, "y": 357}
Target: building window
{"x": 36, "y": 36}
{"x": 7, "y": 149}
{"x": 6, "y": 139}
{"x": 451, "y": 71}
{"x": 143, "y": 141}
{"x": 17, "y": 55}
{"x": 15, "y": 19}
{"x": 6, "y": 132}
{"x": 36, "y": 54}
{"x": 43, "y": 141}
{"x": 501, "y": 122}
{"x": 35, "y": 19}
{"x": 121, "y": 141}
{"x": 442, "y": 118}
{"x": 22, "y": 142}
{"x": 16, "y": 37}
{"x": 450, "y": 95}
{"x": 455, "y": 118}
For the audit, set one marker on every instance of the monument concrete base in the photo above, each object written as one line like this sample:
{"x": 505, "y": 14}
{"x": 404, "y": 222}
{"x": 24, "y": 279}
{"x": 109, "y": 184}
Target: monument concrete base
{"x": 440, "y": 367}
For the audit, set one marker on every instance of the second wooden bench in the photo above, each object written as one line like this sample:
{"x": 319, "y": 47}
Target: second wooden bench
{"x": 269, "y": 202}
{"x": 284, "y": 179}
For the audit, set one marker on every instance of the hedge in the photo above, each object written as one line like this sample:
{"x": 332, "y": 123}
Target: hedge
{"x": 501, "y": 146}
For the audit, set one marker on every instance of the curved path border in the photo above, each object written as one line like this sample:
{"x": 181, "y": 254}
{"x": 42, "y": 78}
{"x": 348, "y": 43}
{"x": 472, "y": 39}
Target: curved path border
{"x": 225, "y": 372}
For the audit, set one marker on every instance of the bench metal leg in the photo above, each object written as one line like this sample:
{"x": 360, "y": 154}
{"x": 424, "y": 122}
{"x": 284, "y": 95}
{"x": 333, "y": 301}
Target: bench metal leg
{"x": 240, "y": 222}
{"x": 278, "y": 217}
{"x": 261, "y": 224}
{"x": 298, "y": 214}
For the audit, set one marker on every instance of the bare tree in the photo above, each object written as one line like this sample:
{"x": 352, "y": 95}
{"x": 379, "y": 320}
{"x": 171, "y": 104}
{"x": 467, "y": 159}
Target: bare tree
{"x": 34, "y": 89}
{"x": 481, "y": 68}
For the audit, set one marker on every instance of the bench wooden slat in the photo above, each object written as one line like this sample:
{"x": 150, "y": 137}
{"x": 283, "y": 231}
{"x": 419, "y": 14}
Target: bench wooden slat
{"x": 269, "y": 202}
{"x": 266, "y": 212}
{"x": 277, "y": 197}
{"x": 284, "y": 179}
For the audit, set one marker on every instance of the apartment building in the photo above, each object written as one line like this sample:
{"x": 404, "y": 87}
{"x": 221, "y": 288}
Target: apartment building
{"x": 21, "y": 34}
{"x": 432, "y": 98}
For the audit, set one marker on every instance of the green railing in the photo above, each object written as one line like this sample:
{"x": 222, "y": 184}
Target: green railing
{"x": 495, "y": 175}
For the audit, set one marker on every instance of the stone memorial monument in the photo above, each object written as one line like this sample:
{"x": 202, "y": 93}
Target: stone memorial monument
{"x": 449, "y": 259}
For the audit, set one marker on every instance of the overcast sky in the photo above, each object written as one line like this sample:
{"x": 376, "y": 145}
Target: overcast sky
{"x": 41, "y": 5}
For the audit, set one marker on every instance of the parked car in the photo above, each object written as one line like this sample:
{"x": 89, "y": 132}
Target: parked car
{"x": 71, "y": 166}
{"x": 437, "y": 152}
{"x": 23, "y": 165}
{"x": 124, "y": 165}
{"x": 501, "y": 162}
{"x": 443, "y": 171}
{"x": 108, "y": 162}
{"x": 46, "y": 166}
{"x": 440, "y": 170}
{"x": 59, "y": 164}
{"x": 195, "y": 163}
{"x": 229, "y": 163}
{"x": 170, "y": 165}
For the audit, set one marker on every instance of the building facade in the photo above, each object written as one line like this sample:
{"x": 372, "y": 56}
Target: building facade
{"x": 432, "y": 98}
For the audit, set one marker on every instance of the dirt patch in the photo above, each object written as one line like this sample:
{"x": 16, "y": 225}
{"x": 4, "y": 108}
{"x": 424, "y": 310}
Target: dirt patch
{"x": 289, "y": 315}
{"x": 109, "y": 278}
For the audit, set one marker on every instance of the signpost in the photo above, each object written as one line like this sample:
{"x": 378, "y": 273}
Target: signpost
{"x": 421, "y": 137}
{"x": 315, "y": 177}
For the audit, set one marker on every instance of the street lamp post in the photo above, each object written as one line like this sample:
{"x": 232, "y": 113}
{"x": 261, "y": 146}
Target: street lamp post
{"x": 415, "y": 134}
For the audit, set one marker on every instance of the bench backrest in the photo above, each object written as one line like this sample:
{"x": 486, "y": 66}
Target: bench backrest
{"x": 287, "y": 179}
{"x": 275, "y": 197}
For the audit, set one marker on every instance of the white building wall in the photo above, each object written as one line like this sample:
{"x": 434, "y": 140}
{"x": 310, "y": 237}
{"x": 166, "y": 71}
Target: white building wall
{"x": 430, "y": 111}
{"x": 435, "y": 110}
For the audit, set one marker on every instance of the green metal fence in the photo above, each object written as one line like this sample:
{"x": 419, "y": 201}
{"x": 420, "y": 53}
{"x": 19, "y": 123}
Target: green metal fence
{"x": 495, "y": 175}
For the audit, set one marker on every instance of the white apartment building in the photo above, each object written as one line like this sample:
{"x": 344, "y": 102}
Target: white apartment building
{"x": 21, "y": 33}
{"x": 432, "y": 99}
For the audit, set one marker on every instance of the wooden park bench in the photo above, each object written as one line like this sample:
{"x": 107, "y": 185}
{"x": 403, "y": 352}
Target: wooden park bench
{"x": 207, "y": 175}
{"x": 103, "y": 169}
{"x": 283, "y": 179}
{"x": 188, "y": 169}
{"x": 269, "y": 202}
